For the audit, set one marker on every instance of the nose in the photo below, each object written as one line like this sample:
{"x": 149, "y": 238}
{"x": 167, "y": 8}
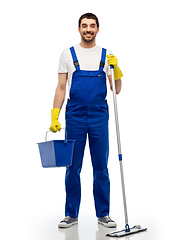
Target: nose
{"x": 88, "y": 28}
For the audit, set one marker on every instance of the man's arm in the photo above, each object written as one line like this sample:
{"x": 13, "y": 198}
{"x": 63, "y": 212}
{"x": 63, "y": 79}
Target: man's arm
{"x": 118, "y": 84}
{"x": 58, "y": 102}
{"x": 60, "y": 91}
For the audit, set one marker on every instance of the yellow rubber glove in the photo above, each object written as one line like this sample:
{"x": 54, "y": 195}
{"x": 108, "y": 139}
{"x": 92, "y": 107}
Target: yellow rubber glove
{"x": 112, "y": 60}
{"x": 55, "y": 125}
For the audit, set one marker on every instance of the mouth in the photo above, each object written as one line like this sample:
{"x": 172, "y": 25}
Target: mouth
{"x": 88, "y": 35}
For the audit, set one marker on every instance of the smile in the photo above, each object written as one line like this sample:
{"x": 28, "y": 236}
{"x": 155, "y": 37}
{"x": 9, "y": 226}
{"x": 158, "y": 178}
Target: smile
{"x": 88, "y": 34}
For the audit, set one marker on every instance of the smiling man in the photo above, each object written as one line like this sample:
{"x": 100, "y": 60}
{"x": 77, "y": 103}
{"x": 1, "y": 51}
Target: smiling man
{"x": 85, "y": 68}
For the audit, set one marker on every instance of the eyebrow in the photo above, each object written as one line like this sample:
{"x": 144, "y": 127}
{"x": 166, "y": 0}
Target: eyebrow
{"x": 85, "y": 24}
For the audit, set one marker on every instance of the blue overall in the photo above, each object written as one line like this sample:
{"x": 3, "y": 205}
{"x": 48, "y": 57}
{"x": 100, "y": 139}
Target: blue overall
{"x": 87, "y": 115}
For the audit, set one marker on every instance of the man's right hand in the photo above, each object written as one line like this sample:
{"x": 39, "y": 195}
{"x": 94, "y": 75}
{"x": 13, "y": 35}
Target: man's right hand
{"x": 55, "y": 125}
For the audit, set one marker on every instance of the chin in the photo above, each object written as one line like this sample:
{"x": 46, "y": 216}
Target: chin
{"x": 88, "y": 39}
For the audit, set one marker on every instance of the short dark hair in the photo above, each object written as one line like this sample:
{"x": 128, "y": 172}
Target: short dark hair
{"x": 89, "y": 16}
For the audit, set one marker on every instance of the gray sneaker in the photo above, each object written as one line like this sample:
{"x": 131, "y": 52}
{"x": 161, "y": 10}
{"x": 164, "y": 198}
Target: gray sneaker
{"x": 106, "y": 221}
{"x": 68, "y": 222}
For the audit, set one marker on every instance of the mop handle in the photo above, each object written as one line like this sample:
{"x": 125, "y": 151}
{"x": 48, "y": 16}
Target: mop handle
{"x": 119, "y": 144}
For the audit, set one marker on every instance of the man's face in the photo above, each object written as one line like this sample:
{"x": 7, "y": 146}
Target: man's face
{"x": 88, "y": 29}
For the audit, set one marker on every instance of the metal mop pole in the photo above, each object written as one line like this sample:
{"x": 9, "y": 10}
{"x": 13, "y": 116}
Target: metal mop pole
{"x": 127, "y": 229}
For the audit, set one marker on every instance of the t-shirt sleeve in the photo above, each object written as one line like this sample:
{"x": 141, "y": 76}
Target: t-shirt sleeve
{"x": 63, "y": 66}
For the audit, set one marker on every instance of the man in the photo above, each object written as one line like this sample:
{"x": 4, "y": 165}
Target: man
{"x": 85, "y": 67}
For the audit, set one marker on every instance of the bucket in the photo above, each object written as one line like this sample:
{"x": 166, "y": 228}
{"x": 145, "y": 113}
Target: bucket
{"x": 56, "y": 153}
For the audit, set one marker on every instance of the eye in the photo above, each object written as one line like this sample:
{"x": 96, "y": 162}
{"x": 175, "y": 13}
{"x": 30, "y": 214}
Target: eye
{"x": 84, "y": 25}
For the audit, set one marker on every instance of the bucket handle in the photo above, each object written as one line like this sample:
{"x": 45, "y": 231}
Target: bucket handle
{"x": 50, "y": 131}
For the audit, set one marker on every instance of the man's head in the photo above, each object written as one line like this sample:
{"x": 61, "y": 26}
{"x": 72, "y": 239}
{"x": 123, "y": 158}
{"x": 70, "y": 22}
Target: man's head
{"x": 88, "y": 27}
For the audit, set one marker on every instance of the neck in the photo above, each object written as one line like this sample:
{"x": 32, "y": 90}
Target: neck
{"x": 85, "y": 44}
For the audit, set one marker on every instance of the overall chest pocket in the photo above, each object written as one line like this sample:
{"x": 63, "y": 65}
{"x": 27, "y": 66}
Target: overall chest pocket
{"x": 88, "y": 86}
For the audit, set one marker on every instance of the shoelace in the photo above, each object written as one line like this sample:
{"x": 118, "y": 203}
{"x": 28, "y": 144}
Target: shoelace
{"x": 67, "y": 218}
{"x": 107, "y": 218}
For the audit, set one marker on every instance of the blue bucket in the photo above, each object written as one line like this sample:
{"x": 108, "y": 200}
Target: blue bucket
{"x": 56, "y": 153}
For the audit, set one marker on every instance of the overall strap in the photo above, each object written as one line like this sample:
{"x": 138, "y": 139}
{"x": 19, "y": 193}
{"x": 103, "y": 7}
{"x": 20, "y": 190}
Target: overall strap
{"x": 75, "y": 60}
{"x": 103, "y": 57}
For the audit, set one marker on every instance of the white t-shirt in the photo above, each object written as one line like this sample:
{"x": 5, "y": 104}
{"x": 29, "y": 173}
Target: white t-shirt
{"x": 88, "y": 58}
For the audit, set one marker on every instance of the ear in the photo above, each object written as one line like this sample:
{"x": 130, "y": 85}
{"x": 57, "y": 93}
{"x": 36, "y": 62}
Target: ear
{"x": 98, "y": 30}
{"x": 79, "y": 29}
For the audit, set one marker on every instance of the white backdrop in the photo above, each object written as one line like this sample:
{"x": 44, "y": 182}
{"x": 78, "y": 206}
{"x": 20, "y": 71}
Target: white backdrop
{"x": 142, "y": 36}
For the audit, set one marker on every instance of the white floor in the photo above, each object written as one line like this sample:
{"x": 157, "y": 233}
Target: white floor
{"x": 44, "y": 227}
{"x": 86, "y": 229}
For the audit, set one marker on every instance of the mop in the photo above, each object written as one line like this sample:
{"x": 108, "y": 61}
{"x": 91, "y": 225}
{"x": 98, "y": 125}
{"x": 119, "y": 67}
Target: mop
{"x": 137, "y": 228}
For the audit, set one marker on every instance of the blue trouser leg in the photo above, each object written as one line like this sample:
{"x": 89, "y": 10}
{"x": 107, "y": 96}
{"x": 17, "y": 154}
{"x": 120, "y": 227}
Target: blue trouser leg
{"x": 76, "y": 128}
{"x": 94, "y": 121}
{"x": 99, "y": 149}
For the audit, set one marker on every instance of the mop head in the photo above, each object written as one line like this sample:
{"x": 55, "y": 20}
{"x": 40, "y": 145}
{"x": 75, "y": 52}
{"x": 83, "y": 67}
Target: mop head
{"x": 123, "y": 233}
